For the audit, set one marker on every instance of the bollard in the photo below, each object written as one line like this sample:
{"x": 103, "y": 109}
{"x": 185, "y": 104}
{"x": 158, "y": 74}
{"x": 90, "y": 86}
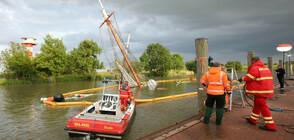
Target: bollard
{"x": 201, "y": 45}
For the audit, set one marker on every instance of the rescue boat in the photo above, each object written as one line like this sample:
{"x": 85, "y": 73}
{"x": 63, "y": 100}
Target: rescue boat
{"x": 102, "y": 119}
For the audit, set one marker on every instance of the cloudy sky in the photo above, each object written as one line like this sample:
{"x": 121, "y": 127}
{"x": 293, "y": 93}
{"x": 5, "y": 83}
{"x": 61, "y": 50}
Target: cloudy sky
{"x": 233, "y": 27}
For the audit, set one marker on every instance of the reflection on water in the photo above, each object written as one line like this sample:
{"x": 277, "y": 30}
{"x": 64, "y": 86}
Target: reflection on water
{"x": 23, "y": 116}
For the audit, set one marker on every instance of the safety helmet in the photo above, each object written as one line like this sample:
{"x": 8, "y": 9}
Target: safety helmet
{"x": 126, "y": 83}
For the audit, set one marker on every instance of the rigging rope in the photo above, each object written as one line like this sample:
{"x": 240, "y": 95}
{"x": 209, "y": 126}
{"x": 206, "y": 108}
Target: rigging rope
{"x": 132, "y": 59}
{"x": 126, "y": 76}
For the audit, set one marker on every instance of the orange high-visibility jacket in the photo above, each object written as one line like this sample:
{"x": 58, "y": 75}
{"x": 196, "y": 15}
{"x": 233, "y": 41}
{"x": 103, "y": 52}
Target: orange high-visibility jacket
{"x": 216, "y": 80}
{"x": 259, "y": 80}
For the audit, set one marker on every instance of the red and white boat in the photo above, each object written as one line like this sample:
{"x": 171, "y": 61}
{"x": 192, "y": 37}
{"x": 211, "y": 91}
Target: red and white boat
{"x": 102, "y": 119}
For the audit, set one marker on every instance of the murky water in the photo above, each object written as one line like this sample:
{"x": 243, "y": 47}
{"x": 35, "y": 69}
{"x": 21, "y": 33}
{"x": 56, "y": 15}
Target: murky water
{"x": 23, "y": 116}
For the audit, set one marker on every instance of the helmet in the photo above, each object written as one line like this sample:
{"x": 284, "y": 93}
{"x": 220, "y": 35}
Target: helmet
{"x": 126, "y": 83}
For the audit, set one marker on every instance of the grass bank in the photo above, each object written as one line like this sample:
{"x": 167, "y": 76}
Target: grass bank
{"x": 180, "y": 73}
{"x": 62, "y": 78}
{"x": 245, "y": 68}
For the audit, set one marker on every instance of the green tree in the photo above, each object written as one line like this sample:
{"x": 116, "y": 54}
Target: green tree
{"x": 17, "y": 63}
{"x": 234, "y": 64}
{"x": 157, "y": 60}
{"x": 191, "y": 66}
{"x": 84, "y": 59}
{"x": 177, "y": 62}
{"x": 53, "y": 58}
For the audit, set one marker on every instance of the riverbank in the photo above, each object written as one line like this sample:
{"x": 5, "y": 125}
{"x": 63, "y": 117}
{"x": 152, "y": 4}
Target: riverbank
{"x": 99, "y": 76}
{"x": 62, "y": 78}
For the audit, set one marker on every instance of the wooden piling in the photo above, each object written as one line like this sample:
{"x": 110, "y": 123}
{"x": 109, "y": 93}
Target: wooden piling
{"x": 270, "y": 63}
{"x": 281, "y": 63}
{"x": 287, "y": 71}
{"x": 201, "y": 45}
{"x": 249, "y": 56}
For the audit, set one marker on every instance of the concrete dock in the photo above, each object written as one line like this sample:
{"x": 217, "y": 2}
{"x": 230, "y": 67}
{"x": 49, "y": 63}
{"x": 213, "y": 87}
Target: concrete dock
{"x": 234, "y": 125}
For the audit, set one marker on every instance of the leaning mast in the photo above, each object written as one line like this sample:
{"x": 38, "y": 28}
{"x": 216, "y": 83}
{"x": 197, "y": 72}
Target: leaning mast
{"x": 108, "y": 22}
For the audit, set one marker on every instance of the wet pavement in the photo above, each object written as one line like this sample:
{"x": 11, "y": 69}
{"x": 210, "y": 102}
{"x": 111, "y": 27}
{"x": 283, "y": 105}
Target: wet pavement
{"x": 234, "y": 125}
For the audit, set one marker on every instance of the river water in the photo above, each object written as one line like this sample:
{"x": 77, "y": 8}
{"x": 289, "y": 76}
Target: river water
{"x": 23, "y": 116}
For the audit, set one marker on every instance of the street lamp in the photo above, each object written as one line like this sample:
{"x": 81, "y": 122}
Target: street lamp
{"x": 284, "y": 48}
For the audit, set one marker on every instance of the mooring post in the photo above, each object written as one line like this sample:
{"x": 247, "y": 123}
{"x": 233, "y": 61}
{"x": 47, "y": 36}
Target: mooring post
{"x": 249, "y": 56}
{"x": 287, "y": 70}
{"x": 270, "y": 63}
{"x": 201, "y": 45}
{"x": 281, "y": 63}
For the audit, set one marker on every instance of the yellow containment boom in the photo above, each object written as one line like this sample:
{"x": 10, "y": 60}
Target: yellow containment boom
{"x": 87, "y": 91}
{"x": 173, "y": 80}
{"x": 101, "y": 88}
{"x": 242, "y": 85}
{"x": 166, "y": 98}
{"x": 84, "y": 103}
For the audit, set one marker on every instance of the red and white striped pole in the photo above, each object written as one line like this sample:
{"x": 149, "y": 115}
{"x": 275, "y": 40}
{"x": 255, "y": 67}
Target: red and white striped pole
{"x": 29, "y": 43}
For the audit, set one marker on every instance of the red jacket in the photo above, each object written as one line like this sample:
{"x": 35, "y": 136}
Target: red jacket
{"x": 259, "y": 80}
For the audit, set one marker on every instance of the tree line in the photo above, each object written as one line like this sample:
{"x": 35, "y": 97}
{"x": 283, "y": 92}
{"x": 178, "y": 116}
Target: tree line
{"x": 158, "y": 61}
{"x": 54, "y": 60}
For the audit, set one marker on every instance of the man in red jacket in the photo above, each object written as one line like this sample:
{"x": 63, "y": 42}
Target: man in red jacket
{"x": 259, "y": 82}
{"x": 124, "y": 96}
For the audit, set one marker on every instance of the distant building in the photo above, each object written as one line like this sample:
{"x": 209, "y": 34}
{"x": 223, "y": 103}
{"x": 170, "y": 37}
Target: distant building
{"x": 29, "y": 43}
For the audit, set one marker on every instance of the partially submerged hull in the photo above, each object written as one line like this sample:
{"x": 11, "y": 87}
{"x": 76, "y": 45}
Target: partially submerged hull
{"x": 102, "y": 119}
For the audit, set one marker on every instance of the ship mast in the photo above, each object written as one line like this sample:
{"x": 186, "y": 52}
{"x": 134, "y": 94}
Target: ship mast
{"x": 108, "y": 22}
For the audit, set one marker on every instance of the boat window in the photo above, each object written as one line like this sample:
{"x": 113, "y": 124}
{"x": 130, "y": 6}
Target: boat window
{"x": 92, "y": 109}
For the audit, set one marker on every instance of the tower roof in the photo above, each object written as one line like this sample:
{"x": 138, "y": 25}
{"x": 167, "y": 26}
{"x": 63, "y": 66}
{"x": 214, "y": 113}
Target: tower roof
{"x": 29, "y": 40}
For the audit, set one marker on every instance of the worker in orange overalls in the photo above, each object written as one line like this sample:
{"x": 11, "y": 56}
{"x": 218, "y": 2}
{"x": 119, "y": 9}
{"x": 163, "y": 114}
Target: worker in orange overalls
{"x": 259, "y": 82}
{"x": 216, "y": 82}
{"x": 124, "y": 96}
{"x": 226, "y": 106}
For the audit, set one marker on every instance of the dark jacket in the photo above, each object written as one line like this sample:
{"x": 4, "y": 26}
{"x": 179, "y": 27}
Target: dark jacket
{"x": 281, "y": 73}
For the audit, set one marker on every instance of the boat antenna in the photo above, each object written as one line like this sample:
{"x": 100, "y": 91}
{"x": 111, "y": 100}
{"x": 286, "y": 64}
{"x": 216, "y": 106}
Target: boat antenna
{"x": 103, "y": 10}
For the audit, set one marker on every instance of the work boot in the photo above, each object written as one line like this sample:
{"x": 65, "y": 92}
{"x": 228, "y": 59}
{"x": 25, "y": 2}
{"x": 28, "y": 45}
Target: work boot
{"x": 226, "y": 109}
{"x": 265, "y": 128}
{"x": 207, "y": 115}
{"x": 248, "y": 120}
{"x": 219, "y": 116}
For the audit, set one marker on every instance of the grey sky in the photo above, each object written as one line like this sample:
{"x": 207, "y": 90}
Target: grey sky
{"x": 233, "y": 27}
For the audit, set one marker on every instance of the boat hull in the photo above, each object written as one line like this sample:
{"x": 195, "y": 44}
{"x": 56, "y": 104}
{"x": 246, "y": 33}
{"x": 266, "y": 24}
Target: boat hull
{"x": 101, "y": 127}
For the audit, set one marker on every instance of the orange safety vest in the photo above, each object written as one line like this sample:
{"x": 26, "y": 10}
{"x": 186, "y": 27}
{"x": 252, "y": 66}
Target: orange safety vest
{"x": 216, "y": 80}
